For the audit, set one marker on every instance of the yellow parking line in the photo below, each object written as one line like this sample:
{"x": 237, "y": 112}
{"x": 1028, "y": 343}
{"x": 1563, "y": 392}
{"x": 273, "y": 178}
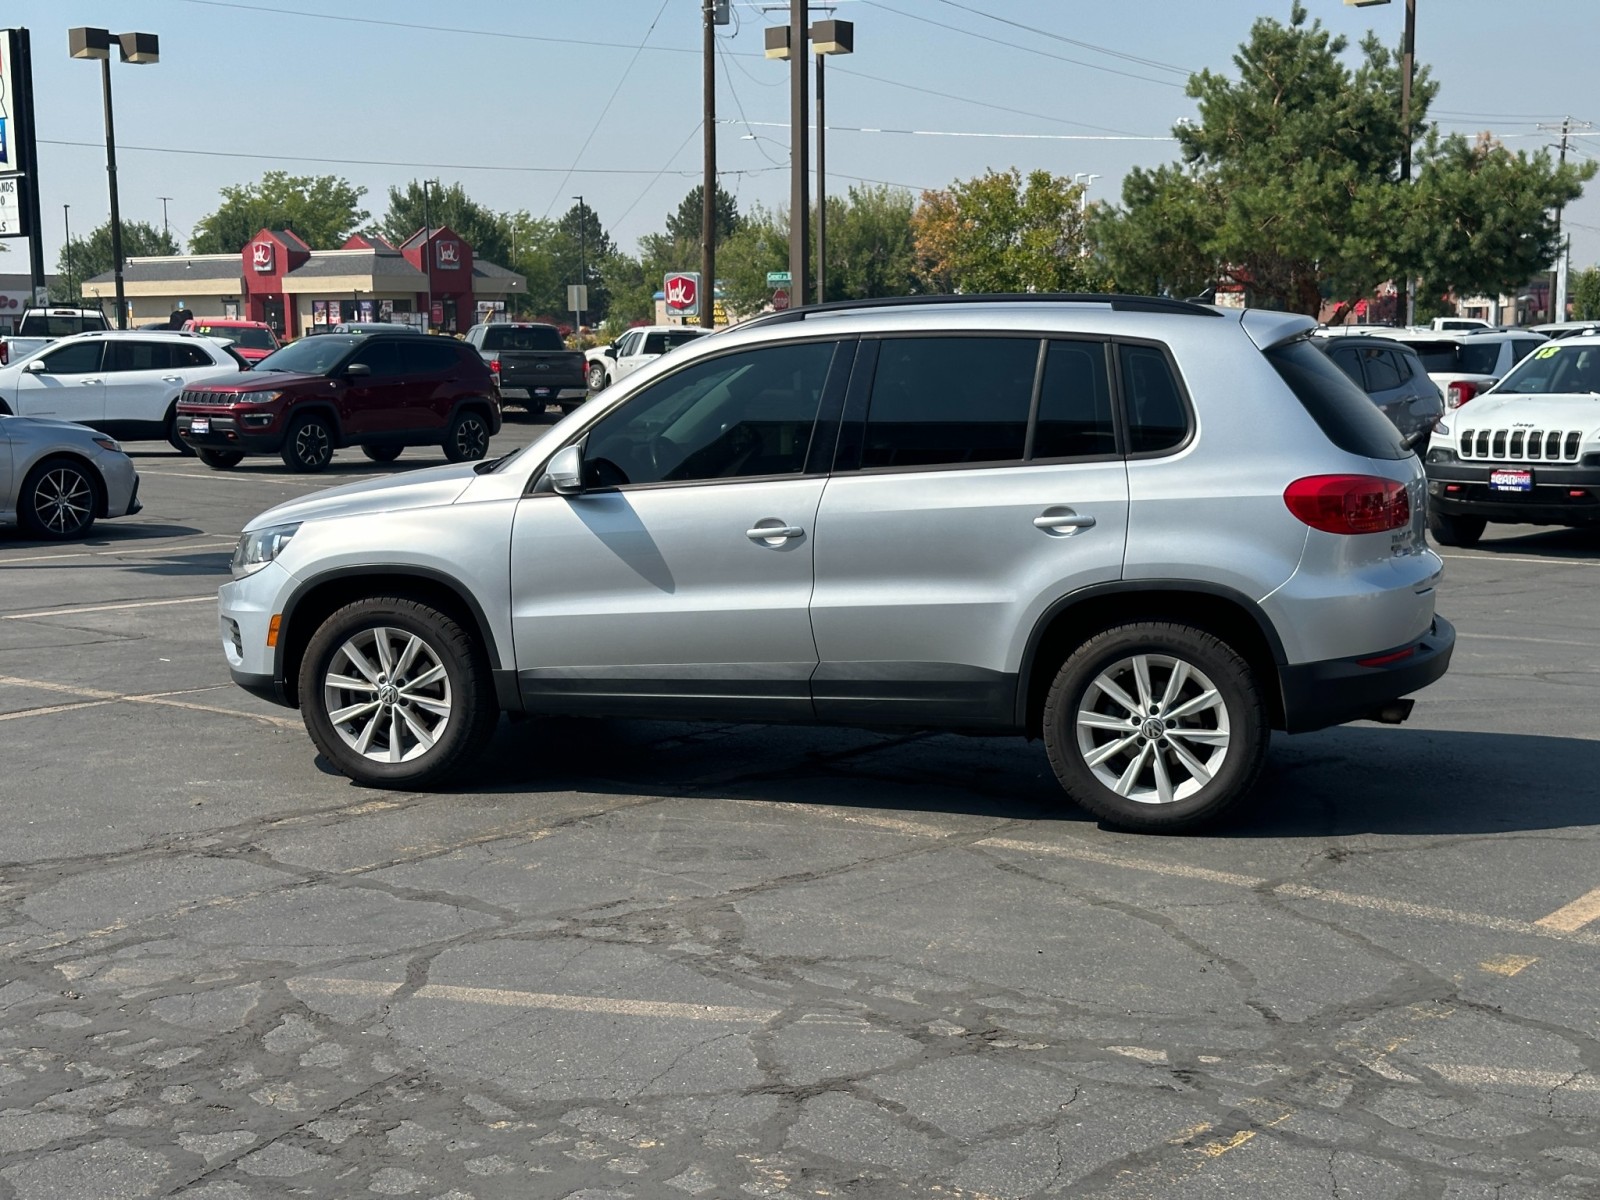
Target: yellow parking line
{"x": 1509, "y": 965}
{"x": 1570, "y": 918}
{"x": 515, "y": 998}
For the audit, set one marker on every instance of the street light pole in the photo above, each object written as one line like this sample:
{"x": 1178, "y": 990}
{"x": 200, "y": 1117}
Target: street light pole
{"x": 427, "y": 255}
{"x": 166, "y": 234}
{"x": 66, "y": 223}
{"x": 1408, "y": 47}
{"x": 799, "y": 147}
{"x": 87, "y": 42}
{"x": 708, "y": 198}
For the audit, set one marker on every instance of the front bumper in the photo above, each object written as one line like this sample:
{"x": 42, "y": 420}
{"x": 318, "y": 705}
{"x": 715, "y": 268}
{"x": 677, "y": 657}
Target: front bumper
{"x": 1566, "y": 494}
{"x": 121, "y": 481}
{"x": 1319, "y": 694}
{"x": 245, "y": 608}
{"x": 228, "y": 432}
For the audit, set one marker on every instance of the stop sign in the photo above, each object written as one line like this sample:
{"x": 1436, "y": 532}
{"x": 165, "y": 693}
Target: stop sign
{"x": 780, "y": 299}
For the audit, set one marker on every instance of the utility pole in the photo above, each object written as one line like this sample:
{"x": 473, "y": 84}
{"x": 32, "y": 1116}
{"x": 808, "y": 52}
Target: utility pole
{"x": 1407, "y": 300}
{"x": 165, "y": 235}
{"x": 1558, "y": 284}
{"x": 583, "y": 268}
{"x": 799, "y": 147}
{"x": 708, "y": 207}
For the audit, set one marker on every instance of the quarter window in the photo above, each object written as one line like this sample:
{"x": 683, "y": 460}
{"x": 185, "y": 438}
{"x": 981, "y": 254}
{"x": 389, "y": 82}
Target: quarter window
{"x": 732, "y": 417}
{"x": 1075, "y": 403}
{"x": 1157, "y": 418}
{"x": 937, "y": 401}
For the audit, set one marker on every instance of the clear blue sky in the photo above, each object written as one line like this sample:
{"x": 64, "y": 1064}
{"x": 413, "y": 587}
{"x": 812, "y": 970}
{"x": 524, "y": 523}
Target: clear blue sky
{"x": 507, "y": 95}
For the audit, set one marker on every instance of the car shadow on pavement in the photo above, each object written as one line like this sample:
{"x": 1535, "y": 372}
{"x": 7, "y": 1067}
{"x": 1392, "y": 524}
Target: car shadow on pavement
{"x": 1356, "y": 779}
{"x": 102, "y": 537}
{"x": 1547, "y": 543}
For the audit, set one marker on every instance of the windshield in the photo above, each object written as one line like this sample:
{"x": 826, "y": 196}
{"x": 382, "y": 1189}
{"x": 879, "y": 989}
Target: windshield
{"x": 530, "y": 337}
{"x": 310, "y": 356}
{"x": 1558, "y": 367}
{"x": 249, "y": 338}
{"x": 55, "y": 325}
{"x": 1471, "y": 358}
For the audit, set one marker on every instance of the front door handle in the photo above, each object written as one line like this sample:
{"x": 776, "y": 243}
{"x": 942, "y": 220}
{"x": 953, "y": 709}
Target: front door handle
{"x": 773, "y": 532}
{"x": 89, "y": 382}
{"x": 1062, "y": 520}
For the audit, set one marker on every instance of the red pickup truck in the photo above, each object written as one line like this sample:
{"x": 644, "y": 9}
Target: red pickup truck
{"x": 253, "y": 340}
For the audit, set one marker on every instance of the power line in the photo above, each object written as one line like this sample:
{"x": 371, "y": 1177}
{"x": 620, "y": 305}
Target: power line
{"x": 598, "y": 121}
{"x": 1016, "y": 112}
{"x": 693, "y": 133}
{"x": 1019, "y": 46}
{"x": 955, "y": 133}
{"x": 1061, "y": 37}
{"x": 739, "y": 104}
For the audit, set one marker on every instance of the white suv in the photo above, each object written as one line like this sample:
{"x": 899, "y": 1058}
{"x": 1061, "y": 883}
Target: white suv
{"x": 1145, "y": 531}
{"x": 122, "y": 382}
{"x": 636, "y": 348}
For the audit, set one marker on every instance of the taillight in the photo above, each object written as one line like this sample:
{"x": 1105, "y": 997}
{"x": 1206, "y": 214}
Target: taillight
{"x": 1349, "y": 503}
{"x": 5, "y": 354}
{"x": 1459, "y": 393}
{"x": 494, "y": 366}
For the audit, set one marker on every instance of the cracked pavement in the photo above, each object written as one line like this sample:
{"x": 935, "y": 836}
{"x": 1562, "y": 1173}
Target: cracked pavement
{"x": 633, "y": 959}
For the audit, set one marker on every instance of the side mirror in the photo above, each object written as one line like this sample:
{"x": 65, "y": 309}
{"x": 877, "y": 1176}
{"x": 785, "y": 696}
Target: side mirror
{"x": 357, "y": 370}
{"x": 36, "y": 366}
{"x": 565, "y": 471}
{"x": 610, "y": 351}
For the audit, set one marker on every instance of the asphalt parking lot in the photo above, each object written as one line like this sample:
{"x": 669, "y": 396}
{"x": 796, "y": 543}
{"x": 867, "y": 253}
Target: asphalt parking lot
{"x": 630, "y": 959}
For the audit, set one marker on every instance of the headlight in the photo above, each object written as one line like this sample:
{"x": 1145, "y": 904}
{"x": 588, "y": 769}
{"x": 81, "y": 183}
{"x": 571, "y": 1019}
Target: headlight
{"x": 106, "y": 443}
{"x": 256, "y": 549}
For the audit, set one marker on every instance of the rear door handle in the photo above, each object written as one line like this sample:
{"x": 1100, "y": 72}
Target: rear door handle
{"x": 172, "y": 379}
{"x": 1062, "y": 520}
{"x": 774, "y": 533}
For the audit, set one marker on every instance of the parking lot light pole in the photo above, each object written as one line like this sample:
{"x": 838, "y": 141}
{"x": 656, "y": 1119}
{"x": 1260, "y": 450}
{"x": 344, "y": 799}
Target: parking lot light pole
{"x": 66, "y": 223}
{"x": 137, "y": 48}
{"x": 827, "y": 37}
{"x": 427, "y": 255}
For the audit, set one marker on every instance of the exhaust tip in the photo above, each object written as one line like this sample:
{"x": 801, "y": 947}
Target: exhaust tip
{"x": 1393, "y": 713}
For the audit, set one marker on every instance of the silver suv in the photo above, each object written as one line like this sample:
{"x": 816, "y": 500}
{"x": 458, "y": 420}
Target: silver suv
{"x": 1145, "y": 531}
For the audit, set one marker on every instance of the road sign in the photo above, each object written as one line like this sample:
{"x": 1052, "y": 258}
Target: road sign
{"x": 682, "y": 289}
{"x": 11, "y": 223}
{"x": 779, "y": 279}
{"x": 578, "y": 297}
{"x": 780, "y": 299}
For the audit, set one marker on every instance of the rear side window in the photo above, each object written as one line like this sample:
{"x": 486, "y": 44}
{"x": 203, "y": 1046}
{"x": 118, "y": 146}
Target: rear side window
{"x": 527, "y": 337}
{"x": 382, "y": 356}
{"x": 937, "y": 401}
{"x": 1075, "y": 403}
{"x": 1343, "y": 412}
{"x": 1349, "y": 362}
{"x": 1157, "y": 416}
{"x": 1522, "y": 347}
{"x": 138, "y": 356}
{"x": 429, "y": 358}
{"x": 1383, "y": 371}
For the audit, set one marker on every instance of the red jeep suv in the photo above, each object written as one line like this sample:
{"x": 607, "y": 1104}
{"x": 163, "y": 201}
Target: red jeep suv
{"x": 380, "y": 391}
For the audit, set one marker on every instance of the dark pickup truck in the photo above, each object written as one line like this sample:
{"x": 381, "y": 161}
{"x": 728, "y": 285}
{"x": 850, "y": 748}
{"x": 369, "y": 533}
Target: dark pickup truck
{"x": 531, "y": 364}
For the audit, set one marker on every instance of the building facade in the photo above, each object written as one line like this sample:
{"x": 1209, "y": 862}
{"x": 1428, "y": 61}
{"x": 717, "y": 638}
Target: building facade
{"x": 431, "y": 279}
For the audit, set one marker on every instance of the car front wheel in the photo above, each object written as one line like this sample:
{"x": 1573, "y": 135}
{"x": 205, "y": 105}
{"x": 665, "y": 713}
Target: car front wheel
{"x": 58, "y": 500}
{"x": 1450, "y": 530}
{"x": 1156, "y": 726}
{"x": 394, "y": 693}
{"x": 597, "y": 377}
{"x": 309, "y": 444}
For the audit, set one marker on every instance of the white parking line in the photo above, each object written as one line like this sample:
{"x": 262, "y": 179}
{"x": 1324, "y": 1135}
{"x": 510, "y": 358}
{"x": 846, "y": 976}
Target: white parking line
{"x": 169, "y": 548}
{"x": 1494, "y": 558}
{"x": 96, "y": 696}
{"x": 1501, "y": 637}
{"x": 94, "y": 608}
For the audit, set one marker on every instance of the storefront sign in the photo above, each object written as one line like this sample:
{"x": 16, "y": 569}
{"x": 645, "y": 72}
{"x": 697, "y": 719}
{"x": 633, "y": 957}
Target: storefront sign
{"x": 11, "y": 132}
{"x": 683, "y": 293}
{"x": 11, "y": 224}
{"x": 448, "y": 255}
{"x": 261, "y": 256}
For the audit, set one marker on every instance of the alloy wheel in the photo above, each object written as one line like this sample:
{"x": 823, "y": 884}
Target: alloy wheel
{"x": 1153, "y": 728}
{"x": 312, "y": 445}
{"x": 387, "y": 695}
{"x": 64, "y": 500}
{"x": 471, "y": 439}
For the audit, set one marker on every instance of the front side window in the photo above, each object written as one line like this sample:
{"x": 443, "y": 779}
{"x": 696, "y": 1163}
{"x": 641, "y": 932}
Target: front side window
{"x": 738, "y": 416}
{"x": 628, "y": 344}
{"x": 940, "y": 401}
{"x": 1157, "y": 417}
{"x": 1075, "y": 403}
{"x": 79, "y": 358}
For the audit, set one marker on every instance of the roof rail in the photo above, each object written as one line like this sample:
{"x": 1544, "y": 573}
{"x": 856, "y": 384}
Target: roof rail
{"x": 1113, "y": 300}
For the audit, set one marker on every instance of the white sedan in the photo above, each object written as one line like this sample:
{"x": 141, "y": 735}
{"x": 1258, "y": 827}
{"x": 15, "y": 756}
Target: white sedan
{"x": 122, "y": 382}
{"x": 634, "y": 349}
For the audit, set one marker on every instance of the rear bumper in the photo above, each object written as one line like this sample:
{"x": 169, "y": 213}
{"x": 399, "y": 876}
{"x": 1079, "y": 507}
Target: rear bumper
{"x": 1319, "y": 694}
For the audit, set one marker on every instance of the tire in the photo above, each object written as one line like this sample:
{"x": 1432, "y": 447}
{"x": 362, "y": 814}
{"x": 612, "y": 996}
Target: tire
{"x": 467, "y": 439}
{"x": 1450, "y": 530}
{"x": 59, "y": 499}
{"x": 597, "y": 377}
{"x": 308, "y": 447}
{"x": 382, "y": 454}
{"x": 415, "y": 733}
{"x": 173, "y": 440}
{"x": 1087, "y": 716}
{"x": 221, "y": 460}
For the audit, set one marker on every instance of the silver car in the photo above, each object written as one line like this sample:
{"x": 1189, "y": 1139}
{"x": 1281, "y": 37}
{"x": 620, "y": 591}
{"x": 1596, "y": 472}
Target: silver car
{"x": 57, "y": 477}
{"x": 1144, "y": 531}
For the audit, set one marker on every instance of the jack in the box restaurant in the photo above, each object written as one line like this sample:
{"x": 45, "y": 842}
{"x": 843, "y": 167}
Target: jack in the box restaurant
{"x": 279, "y": 279}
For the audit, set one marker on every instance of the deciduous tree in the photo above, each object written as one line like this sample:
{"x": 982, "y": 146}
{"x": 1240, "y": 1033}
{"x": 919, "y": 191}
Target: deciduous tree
{"x": 486, "y": 231}
{"x": 90, "y": 255}
{"x": 323, "y": 210}
{"x": 1003, "y": 233}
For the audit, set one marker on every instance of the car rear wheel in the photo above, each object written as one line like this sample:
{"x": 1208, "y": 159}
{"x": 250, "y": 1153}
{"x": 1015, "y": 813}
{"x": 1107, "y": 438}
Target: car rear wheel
{"x": 221, "y": 460}
{"x": 597, "y": 377}
{"x": 382, "y": 454}
{"x": 467, "y": 439}
{"x": 1451, "y": 530}
{"x": 1156, "y": 726}
{"x": 309, "y": 446}
{"x": 58, "y": 499}
{"x": 395, "y": 693}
